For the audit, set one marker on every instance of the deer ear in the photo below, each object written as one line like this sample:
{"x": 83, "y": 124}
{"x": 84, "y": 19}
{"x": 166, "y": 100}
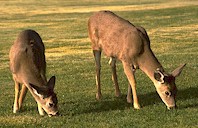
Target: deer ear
{"x": 51, "y": 83}
{"x": 178, "y": 70}
{"x": 159, "y": 76}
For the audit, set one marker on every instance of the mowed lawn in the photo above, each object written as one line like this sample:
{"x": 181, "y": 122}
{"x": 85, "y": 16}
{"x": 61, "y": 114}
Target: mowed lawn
{"x": 172, "y": 26}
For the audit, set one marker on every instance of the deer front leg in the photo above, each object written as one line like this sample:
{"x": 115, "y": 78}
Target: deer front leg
{"x": 16, "y": 100}
{"x": 97, "y": 56}
{"x": 22, "y": 95}
{"x": 131, "y": 78}
{"x": 40, "y": 109}
{"x": 112, "y": 63}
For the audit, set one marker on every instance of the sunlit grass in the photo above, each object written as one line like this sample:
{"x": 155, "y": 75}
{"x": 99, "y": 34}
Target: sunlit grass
{"x": 172, "y": 28}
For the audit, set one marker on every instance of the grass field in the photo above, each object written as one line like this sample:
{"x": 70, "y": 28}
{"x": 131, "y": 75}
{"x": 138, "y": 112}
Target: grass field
{"x": 173, "y": 28}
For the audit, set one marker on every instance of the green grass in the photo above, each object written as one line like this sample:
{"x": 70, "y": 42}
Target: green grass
{"x": 172, "y": 27}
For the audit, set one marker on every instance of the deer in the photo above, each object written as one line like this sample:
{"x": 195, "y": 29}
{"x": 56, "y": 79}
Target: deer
{"x": 121, "y": 40}
{"x": 28, "y": 68}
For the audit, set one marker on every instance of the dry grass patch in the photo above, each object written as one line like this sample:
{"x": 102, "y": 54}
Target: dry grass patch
{"x": 13, "y": 8}
{"x": 61, "y": 51}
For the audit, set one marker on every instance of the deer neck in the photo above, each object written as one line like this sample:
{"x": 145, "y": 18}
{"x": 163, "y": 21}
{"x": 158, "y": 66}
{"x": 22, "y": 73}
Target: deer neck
{"x": 148, "y": 63}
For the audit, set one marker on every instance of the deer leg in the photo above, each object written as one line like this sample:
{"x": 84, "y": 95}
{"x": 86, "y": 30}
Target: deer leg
{"x": 97, "y": 56}
{"x": 16, "y": 100}
{"x": 22, "y": 95}
{"x": 112, "y": 63}
{"x": 40, "y": 110}
{"x": 129, "y": 93}
{"x": 131, "y": 78}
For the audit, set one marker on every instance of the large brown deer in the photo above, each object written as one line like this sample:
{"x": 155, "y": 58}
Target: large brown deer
{"x": 28, "y": 67}
{"x": 119, "y": 39}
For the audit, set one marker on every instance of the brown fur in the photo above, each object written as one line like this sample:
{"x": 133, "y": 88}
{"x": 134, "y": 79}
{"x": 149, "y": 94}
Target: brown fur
{"x": 120, "y": 39}
{"x": 28, "y": 67}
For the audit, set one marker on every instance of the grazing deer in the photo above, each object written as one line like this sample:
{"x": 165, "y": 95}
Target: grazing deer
{"x": 28, "y": 67}
{"x": 119, "y": 39}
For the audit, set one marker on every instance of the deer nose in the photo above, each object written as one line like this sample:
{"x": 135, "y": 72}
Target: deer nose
{"x": 56, "y": 114}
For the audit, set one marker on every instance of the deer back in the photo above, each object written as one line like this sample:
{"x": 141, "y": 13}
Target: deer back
{"x": 27, "y": 58}
{"x": 117, "y": 37}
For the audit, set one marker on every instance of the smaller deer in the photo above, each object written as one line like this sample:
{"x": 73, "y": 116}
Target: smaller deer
{"x": 28, "y": 67}
{"x": 120, "y": 39}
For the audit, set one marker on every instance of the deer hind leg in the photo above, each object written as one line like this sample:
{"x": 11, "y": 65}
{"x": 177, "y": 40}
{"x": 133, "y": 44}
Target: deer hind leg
{"x": 131, "y": 78}
{"x": 22, "y": 95}
{"x": 16, "y": 99}
{"x": 97, "y": 56}
{"x": 129, "y": 93}
{"x": 112, "y": 63}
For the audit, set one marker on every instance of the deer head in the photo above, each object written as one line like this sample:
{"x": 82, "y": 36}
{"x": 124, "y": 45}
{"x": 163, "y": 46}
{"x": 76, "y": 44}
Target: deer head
{"x": 46, "y": 97}
{"x": 166, "y": 86}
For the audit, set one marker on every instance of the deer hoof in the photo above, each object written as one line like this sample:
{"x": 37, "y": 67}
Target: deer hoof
{"x": 136, "y": 106}
{"x": 129, "y": 99}
{"x": 15, "y": 110}
{"x": 118, "y": 94}
{"x": 41, "y": 113}
{"x": 98, "y": 96}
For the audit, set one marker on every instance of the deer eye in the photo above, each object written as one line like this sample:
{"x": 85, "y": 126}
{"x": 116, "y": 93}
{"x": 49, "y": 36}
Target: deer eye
{"x": 50, "y": 104}
{"x": 168, "y": 93}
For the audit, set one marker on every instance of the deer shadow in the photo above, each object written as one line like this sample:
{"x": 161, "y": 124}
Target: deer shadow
{"x": 187, "y": 94}
{"x": 182, "y": 95}
{"x": 93, "y": 106}
{"x": 147, "y": 100}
